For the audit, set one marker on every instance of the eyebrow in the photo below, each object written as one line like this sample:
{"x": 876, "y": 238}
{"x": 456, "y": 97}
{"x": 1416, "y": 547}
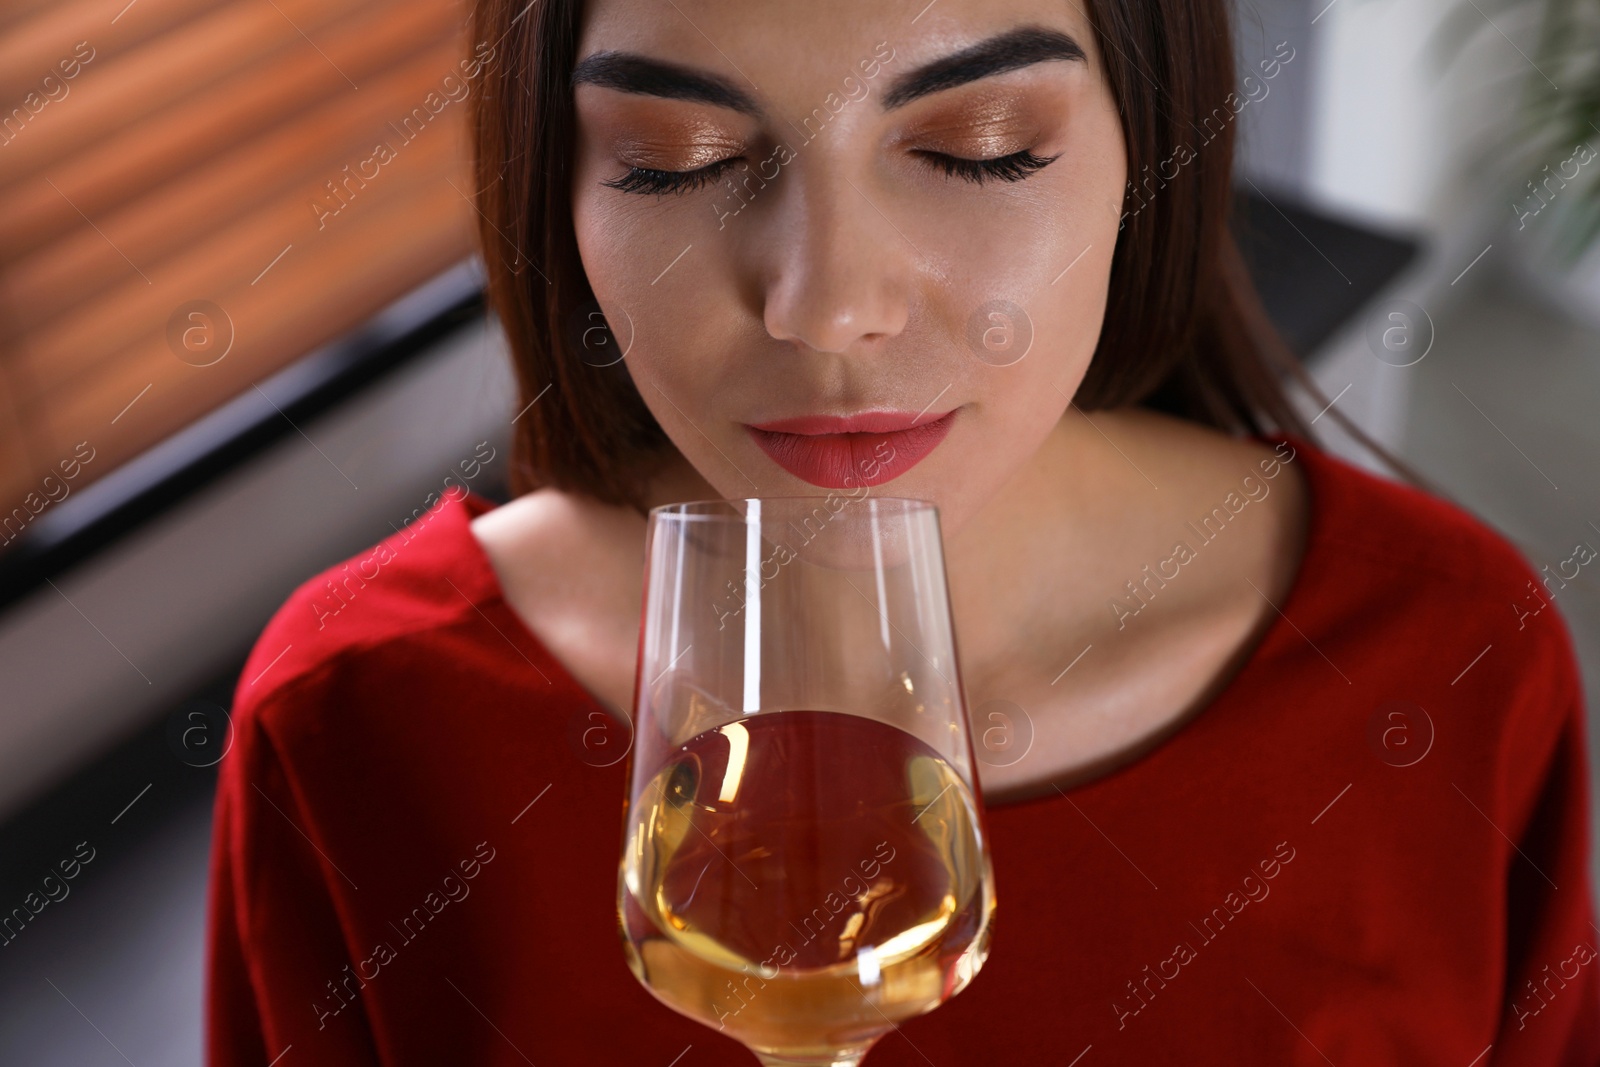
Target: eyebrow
{"x": 630, "y": 72}
{"x": 1019, "y": 48}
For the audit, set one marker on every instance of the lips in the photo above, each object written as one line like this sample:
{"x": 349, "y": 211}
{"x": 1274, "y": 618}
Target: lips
{"x": 842, "y": 452}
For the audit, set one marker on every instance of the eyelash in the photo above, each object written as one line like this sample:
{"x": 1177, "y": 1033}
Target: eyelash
{"x": 660, "y": 182}
{"x": 1012, "y": 168}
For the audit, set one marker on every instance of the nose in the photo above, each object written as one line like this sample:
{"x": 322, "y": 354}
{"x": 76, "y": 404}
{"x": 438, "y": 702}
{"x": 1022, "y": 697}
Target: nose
{"x": 839, "y": 272}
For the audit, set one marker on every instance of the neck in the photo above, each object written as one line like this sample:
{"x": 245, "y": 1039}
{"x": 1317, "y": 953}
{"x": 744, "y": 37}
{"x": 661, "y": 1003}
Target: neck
{"x": 1043, "y": 546}
{"x": 1036, "y": 549}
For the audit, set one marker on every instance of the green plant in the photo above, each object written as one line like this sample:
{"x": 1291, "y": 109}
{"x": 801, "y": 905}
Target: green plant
{"x": 1556, "y": 125}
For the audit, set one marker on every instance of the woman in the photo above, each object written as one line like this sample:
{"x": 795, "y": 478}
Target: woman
{"x": 1273, "y": 775}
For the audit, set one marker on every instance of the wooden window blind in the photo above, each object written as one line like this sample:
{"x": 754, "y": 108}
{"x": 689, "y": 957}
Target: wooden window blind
{"x": 195, "y": 192}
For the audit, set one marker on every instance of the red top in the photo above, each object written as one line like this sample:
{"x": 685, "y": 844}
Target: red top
{"x": 416, "y": 844}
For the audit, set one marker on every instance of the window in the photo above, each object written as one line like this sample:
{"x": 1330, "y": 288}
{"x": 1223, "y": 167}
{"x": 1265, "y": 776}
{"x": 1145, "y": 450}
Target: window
{"x": 197, "y": 192}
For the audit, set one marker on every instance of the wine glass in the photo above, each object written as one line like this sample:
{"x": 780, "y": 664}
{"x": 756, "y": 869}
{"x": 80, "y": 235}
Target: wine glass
{"x": 805, "y": 863}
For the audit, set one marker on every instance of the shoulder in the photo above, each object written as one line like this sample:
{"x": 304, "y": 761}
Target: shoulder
{"x": 1387, "y": 524}
{"x": 1400, "y": 544}
{"x": 1419, "y": 599}
{"x": 1437, "y": 609}
{"x": 1389, "y": 543}
{"x": 376, "y": 603}
{"x": 545, "y": 543}
{"x": 1393, "y": 583}
{"x": 569, "y": 566}
{"x": 1198, "y": 470}
{"x": 1239, "y": 503}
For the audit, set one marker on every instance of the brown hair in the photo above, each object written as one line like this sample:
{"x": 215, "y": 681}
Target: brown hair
{"x": 1184, "y": 329}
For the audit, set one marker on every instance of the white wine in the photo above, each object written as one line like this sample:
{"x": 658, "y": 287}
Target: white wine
{"x": 803, "y": 880}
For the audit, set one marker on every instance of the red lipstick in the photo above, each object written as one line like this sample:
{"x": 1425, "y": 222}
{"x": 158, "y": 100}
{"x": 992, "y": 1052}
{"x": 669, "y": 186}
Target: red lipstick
{"x": 840, "y": 452}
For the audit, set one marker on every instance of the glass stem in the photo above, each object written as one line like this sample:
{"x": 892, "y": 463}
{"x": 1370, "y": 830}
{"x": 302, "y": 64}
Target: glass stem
{"x": 842, "y": 1060}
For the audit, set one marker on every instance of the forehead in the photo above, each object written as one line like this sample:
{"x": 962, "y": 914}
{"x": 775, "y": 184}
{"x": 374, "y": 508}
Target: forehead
{"x": 789, "y": 51}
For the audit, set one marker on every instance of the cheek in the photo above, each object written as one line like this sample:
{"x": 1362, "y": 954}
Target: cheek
{"x": 623, "y": 239}
{"x": 1033, "y": 259}
{"x": 1030, "y": 299}
{"x": 633, "y": 254}
{"x": 673, "y": 309}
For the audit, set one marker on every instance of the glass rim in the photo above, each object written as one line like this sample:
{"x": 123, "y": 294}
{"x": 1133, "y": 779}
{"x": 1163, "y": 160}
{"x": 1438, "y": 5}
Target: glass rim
{"x": 687, "y": 510}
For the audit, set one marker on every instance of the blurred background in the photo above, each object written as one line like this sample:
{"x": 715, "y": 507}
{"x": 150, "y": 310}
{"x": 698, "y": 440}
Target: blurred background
{"x": 242, "y": 337}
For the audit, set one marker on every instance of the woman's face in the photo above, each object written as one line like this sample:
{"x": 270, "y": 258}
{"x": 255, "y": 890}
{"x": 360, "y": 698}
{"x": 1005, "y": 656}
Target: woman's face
{"x": 793, "y": 210}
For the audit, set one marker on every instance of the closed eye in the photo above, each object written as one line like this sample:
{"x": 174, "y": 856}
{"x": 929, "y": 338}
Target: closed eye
{"x": 647, "y": 181}
{"x": 1012, "y": 168}
{"x": 1009, "y": 168}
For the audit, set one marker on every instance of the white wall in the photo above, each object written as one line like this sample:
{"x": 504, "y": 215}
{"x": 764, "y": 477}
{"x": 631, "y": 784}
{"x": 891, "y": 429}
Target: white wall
{"x": 1371, "y": 124}
{"x": 1398, "y": 135}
